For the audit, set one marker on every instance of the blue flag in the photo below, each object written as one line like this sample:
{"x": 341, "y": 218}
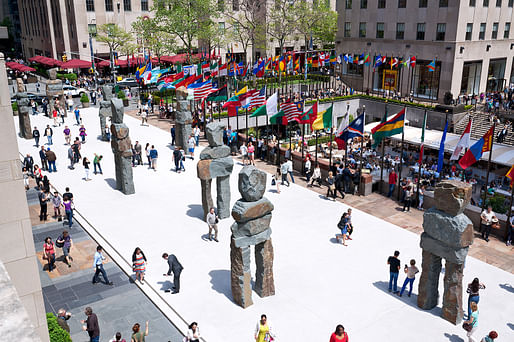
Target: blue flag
{"x": 440, "y": 160}
{"x": 354, "y": 129}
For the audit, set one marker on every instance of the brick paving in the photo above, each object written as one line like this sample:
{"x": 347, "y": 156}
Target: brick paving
{"x": 494, "y": 252}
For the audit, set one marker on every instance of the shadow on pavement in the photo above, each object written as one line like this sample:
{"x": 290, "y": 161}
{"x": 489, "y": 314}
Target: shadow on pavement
{"x": 453, "y": 338}
{"x": 195, "y": 210}
{"x": 220, "y": 280}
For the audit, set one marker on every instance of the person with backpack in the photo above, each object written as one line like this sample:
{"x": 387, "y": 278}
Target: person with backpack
{"x": 343, "y": 226}
{"x": 65, "y": 242}
{"x": 177, "y": 158}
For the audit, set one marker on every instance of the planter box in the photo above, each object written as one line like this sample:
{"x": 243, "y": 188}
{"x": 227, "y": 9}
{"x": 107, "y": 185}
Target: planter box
{"x": 85, "y": 104}
{"x": 125, "y": 102}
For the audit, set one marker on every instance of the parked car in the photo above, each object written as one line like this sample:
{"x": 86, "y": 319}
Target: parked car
{"x": 73, "y": 91}
{"x": 128, "y": 82}
{"x": 31, "y": 96}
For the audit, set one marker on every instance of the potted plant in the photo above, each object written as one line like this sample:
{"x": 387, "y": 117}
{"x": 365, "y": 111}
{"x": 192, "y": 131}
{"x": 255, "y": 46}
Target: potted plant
{"x": 121, "y": 96}
{"x": 84, "y": 99}
{"x": 14, "y": 106}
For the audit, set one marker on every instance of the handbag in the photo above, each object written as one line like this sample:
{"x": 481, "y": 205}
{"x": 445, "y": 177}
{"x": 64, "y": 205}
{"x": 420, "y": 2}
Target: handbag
{"x": 273, "y": 182}
{"x": 217, "y": 220}
{"x": 59, "y": 244}
{"x": 466, "y": 326}
{"x": 332, "y": 187}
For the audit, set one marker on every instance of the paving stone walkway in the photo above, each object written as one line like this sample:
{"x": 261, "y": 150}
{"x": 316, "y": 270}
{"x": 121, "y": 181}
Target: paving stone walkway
{"x": 118, "y": 307}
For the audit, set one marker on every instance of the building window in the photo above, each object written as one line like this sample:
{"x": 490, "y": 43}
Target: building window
{"x": 347, "y": 30}
{"x": 364, "y": 3}
{"x": 485, "y": 3}
{"x": 510, "y": 3}
{"x": 381, "y": 3}
{"x": 469, "y": 31}
{"x": 108, "y": 6}
{"x": 441, "y": 31}
{"x": 507, "y": 31}
{"x": 91, "y": 29}
{"x": 443, "y": 3}
{"x": 481, "y": 34}
{"x": 127, "y": 5}
{"x": 494, "y": 34}
{"x": 423, "y": 3}
{"x": 221, "y": 27}
{"x": 144, "y": 5}
{"x": 348, "y": 4}
{"x": 472, "y": 3}
{"x": 235, "y": 5}
{"x": 420, "y": 33}
{"x": 498, "y": 3}
{"x": 362, "y": 30}
{"x": 380, "y": 30}
{"x": 402, "y": 3}
{"x": 400, "y": 30}
{"x": 90, "y": 5}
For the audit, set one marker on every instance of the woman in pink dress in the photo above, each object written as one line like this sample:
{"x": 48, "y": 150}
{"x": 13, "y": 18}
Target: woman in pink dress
{"x": 139, "y": 264}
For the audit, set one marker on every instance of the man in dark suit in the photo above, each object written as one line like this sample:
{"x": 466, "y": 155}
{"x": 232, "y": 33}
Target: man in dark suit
{"x": 176, "y": 268}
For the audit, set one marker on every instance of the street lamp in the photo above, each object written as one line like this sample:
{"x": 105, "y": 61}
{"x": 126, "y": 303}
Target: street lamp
{"x": 91, "y": 32}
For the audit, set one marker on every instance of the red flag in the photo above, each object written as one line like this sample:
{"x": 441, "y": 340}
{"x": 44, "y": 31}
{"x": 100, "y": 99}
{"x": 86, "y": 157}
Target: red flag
{"x": 232, "y": 110}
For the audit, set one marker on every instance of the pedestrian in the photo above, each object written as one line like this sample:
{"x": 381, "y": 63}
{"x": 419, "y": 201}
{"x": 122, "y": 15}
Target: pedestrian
{"x": 350, "y": 225}
{"x": 55, "y": 116}
{"x": 68, "y": 209}
{"x": 176, "y": 268}
{"x": 34, "y": 107}
{"x": 139, "y": 264}
{"x": 65, "y": 242}
{"x": 212, "y": 221}
{"x": 510, "y": 231}
{"x": 71, "y": 157}
{"x": 393, "y": 178}
{"x": 407, "y": 198}
{"x": 62, "y": 113}
{"x": 421, "y": 196}
{"x": 172, "y": 131}
{"x": 275, "y": 179}
{"x": 62, "y": 318}
{"x": 49, "y": 253}
{"x": 147, "y": 152}
{"x": 91, "y": 325}
{"x": 472, "y": 322}
{"x": 193, "y": 333}
{"x": 137, "y": 148}
{"x": 96, "y": 163}
{"x": 177, "y": 157}
{"x": 107, "y": 131}
{"x": 67, "y": 135}
{"x": 28, "y": 163}
{"x": 78, "y": 119}
{"x": 25, "y": 175}
{"x": 183, "y": 159}
{"x": 43, "y": 199}
{"x": 283, "y": 173}
{"x": 316, "y": 176}
{"x": 69, "y": 103}
{"x": 331, "y": 187}
{"x": 137, "y": 334}
{"x": 196, "y": 133}
{"x": 251, "y": 154}
{"x": 244, "y": 153}
{"x": 36, "y": 135}
{"x": 57, "y": 202}
{"x": 487, "y": 218}
{"x": 48, "y": 134}
{"x": 473, "y": 290}
{"x": 99, "y": 267}
{"x": 144, "y": 118}
{"x": 490, "y": 337}
{"x": 38, "y": 175}
{"x": 191, "y": 146}
{"x": 289, "y": 163}
{"x": 51, "y": 158}
{"x": 85, "y": 163}
{"x": 411, "y": 276}
{"x": 343, "y": 226}
{"x": 394, "y": 269}
{"x": 117, "y": 338}
{"x": 153, "y": 158}
{"x": 339, "y": 335}
{"x": 82, "y": 133}
{"x": 263, "y": 331}
{"x": 76, "y": 150}
{"x": 307, "y": 169}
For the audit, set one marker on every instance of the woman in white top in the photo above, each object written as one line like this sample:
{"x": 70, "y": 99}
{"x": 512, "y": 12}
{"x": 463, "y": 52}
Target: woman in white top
{"x": 487, "y": 217}
{"x": 316, "y": 176}
{"x": 193, "y": 333}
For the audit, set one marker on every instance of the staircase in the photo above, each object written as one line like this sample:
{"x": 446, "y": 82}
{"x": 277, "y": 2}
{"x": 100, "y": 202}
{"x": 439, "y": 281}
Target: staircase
{"x": 480, "y": 126}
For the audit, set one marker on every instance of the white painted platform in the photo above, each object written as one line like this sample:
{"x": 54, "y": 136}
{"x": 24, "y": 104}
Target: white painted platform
{"x": 319, "y": 284}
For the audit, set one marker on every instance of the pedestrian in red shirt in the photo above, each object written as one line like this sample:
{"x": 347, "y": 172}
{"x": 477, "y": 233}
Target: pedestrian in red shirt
{"x": 339, "y": 335}
{"x": 393, "y": 178}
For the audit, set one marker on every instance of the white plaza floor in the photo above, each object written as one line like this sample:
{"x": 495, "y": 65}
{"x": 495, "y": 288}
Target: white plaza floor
{"x": 319, "y": 283}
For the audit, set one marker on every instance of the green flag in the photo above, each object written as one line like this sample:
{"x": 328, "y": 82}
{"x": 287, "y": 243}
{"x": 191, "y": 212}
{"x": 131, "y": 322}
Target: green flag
{"x": 277, "y": 118}
{"x": 259, "y": 112}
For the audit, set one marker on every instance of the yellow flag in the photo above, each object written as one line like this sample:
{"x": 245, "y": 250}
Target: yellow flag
{"x": 242, "y": 91}
{"x": 318, "y": 122}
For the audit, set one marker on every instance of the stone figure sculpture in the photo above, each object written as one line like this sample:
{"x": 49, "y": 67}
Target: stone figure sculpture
{"x": 252, "y": 214}
{"x": 183, "y": 119}
{"x": 105, "y": 109}
{"x": 54, "y": 89}
{"x": 215, "y": 162}
{"x": 448, "y": 233}
{"x": 24, "y": 110}
{"x": 122, "y": 149}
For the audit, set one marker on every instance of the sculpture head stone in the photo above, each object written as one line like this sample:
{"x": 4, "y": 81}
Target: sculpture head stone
{"x": 252, "y": 183}
{"x": 52, "y": 73}
{"x": 452, "y": 196}
{"x": 214, "y": 132}
{"x": 20, "y": 85}
{"x": 107, "y": 92}
{"x": 181, "y": 93}
{"x": 117, "y": 111}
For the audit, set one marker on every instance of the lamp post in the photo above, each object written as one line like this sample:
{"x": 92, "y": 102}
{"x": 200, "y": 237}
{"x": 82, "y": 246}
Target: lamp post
{"x": 92, "y": 31}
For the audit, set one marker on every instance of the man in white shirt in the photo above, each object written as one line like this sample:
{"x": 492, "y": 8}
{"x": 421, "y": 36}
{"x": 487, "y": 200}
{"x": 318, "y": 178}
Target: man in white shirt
{"x": 486, "y": 221}
{"x": 191, "y": 145}
{"x": 307, "y": 169}
{"x": 196, "y": 132}
{"x": 244, "y": 153}
{"x": 290, "y": 169}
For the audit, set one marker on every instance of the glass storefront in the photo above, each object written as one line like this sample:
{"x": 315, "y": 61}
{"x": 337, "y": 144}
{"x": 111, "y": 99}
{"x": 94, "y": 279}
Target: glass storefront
{"x": 512, "y": 74}
{"x": 496, "y": 75}
{"x": 470, "y": 82}
{"x": 425, "y": 83}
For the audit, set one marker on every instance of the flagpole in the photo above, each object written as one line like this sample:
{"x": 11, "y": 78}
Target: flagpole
{"x": 432, "y": 80}
{"x": 362, "y": 145}
{"x": 383, "y": 149}
{"x": 401, "y": 158}
{"x": 421, "y": 151}
{"x": 219, "y": 111}
{"x": 246, "y": 129}
{"x": 488, "y": 167}
{"x": 316, "y": 149}
{"x": 510, "y": 210}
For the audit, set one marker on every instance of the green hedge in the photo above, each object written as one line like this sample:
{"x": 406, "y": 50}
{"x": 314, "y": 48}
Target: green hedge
{"x": 468, "y": 107}
{"x": 84, "y": 98}
{"x": 321, "y": 140}
{"x": 14, "y": 106}
{"x": 498, "y": 203}
{"x": 276, "y": 80}
{"x": 121, "y": 94}
{"x": 57, "y": 334}
{"x": 71, "y": 77}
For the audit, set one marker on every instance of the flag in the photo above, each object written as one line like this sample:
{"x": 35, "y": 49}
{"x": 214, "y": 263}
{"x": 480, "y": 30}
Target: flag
{"x": 218, "y": 94}
{"x": 292, "y": 110}
{"x": 258, "y": 98}
{"x": 333, "y": 58}
{"x": 246, "y": 99}
{"x": 309, "y": 62}
{"x": 223, "y": 70}
{"x": 475, "y": 152}
{"x": 190, "y": 70}
{"x": 412, "y": 61}
{"x": 431, "y": 66}
{"x": 277, "y": 118}
{"x": 350, "y": 59}
{"x": 282, "y": 63}
{"x": 345, "y": 58}
{"x": 440, "y": 160}
{"x": 378, "y": 61}
{"x": 422, "y": 147}
{"x": 367, "y": 59}
{"x": 388, "y": 128}
{"x": 394, "y": 62}
{"x": 310, "y": 115}
{"x": 354, "y": 129}
{"x": 232, "y": 111}
{"x": 510, "y": 174}
{"x": 272, "y": 104}
{"x": 242, "y": 91}
{"x": 258, "y": 67}
{"x": 203, "y": 90}
{"x": 297, "y": 63}
{"x": 323, "y": 119}
{"x": 464, "y": 142}
{"x": 263, "y": 110}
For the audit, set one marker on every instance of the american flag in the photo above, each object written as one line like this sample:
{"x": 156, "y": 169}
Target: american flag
{"x": 293, "y": 110}
{"x": 203, "y": 91}
{"x": 258, "y": 98}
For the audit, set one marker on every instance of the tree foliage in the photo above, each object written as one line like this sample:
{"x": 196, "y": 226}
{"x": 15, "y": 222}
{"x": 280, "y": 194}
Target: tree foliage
{"x": 158, "y": 41}
{"x": 281, "y": 20}
{"x": 114, "y": 36}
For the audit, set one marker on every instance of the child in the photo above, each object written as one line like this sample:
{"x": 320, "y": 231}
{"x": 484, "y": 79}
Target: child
{"x": 343, "y": 226}
{"x": 490, "y": 337}
{"x": 411, "y": 275}
{"x": 57, "y": 202}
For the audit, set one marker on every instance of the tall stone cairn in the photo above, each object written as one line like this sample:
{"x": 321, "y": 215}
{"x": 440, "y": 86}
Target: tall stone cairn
{"x": 122, "y": 148}
{"x": 54, "y": 89}
{"x": 105, "y": 109}
{"x": 448, "y": 233}
{"x": 183, "y": 119}
{"x": 215, "y": 162}
{"x": 24, "y": 110}
{"x": 252, "y": 214}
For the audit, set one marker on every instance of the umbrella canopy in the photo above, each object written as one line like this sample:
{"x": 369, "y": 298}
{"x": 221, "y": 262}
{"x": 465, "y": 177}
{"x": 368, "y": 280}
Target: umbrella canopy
{"x": 76, "y": 64}
{"x": 119, "y": 62}
{"x": 18, "y": 67}
{"x": 45, "y": 61}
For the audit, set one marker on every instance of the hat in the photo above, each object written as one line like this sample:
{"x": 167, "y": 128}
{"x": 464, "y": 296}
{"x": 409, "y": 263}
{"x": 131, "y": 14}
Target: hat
{"x": 494, "y": 220}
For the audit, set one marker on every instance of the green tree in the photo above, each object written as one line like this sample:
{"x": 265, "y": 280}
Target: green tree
{"x": 324, "y": 23}
{"x": 114, "y": 36}
{"x": 152, "y": 37}
{"x": 281, "y": 20}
